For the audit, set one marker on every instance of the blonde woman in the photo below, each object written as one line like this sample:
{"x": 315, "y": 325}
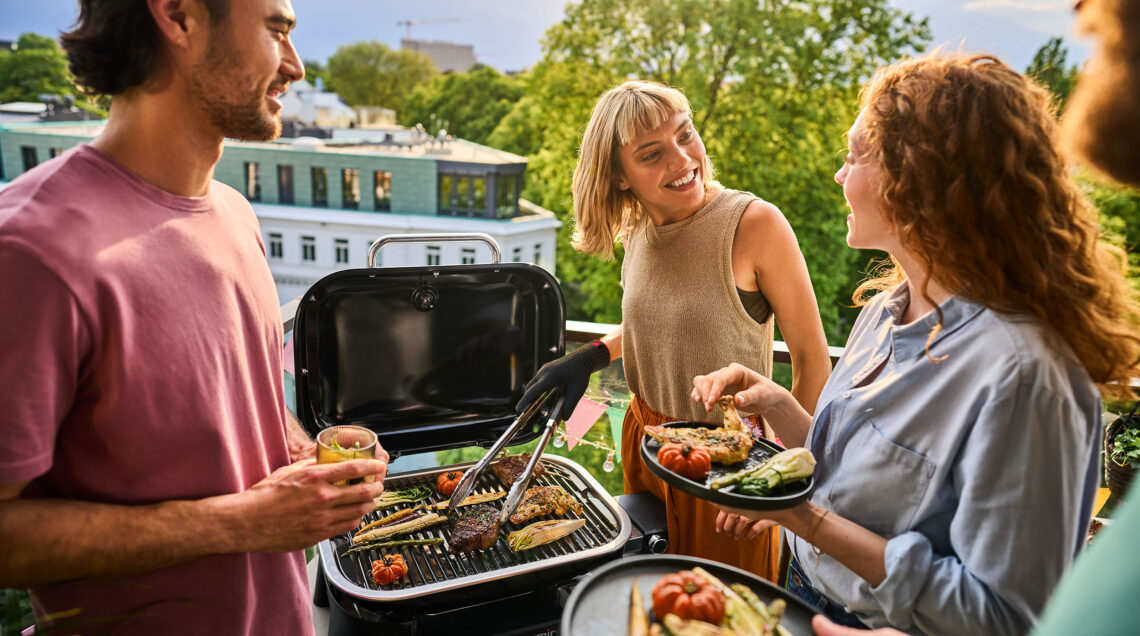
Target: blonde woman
{"x": 957, "y": 436}
{"x": 706, "y": 270}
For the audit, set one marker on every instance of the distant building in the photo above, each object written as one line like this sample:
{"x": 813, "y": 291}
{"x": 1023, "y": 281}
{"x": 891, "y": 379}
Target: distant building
{"x": 322, "y": 203}
{"x": 448, "y": 56}
{"x": 312, "y": 106}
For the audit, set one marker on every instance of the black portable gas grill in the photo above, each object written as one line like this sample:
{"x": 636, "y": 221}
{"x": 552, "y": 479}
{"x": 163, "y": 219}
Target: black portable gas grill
{"x": 433, "y": 358}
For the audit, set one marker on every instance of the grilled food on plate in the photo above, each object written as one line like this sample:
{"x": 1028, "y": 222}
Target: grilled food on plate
{"x": 781, "y": 469}
{"x": 475, "y": 528}
{"x": 724, "y": 446}
{"x": 732, "y": 419}
{"x": 540, "y": 501}
{"x": 510, "y": 467}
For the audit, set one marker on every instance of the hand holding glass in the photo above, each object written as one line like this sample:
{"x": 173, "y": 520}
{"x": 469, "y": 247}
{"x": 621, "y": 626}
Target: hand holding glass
{"x": 344, "y": 443}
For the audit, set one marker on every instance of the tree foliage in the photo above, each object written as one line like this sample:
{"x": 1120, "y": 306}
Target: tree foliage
{"x": 371, "y": 74}
{"x": 1050, "y": 68}
{"x": 38, "y": 66}
{"x": 773, "y": 86}
{"x": 469, "y": 105}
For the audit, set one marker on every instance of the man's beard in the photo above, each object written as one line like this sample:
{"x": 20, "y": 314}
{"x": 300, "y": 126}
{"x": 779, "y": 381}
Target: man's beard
{"x": 220, "y": 95}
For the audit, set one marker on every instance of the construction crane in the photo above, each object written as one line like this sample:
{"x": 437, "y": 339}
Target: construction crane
{"x": 409, "y": 23}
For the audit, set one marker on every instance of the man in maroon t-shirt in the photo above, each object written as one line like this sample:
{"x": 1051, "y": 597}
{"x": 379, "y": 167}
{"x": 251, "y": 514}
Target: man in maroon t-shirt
{"x": 150, "y": 479}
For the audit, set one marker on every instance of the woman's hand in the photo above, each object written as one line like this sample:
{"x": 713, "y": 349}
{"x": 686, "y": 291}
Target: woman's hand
{"x": 824, "y": 627}
{"x": 740, "y": 527}
{"x": 753, "y": 392}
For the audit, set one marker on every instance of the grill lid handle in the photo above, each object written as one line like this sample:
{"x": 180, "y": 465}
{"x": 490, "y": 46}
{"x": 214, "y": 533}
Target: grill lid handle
{"x": 471, "y": 475}
{"x": 519, "y": 487}
{"x": 374, "y": 250}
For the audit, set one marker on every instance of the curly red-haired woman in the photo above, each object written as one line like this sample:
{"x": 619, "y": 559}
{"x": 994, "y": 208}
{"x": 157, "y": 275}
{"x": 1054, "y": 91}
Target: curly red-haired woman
{"x": 957, "y": 436}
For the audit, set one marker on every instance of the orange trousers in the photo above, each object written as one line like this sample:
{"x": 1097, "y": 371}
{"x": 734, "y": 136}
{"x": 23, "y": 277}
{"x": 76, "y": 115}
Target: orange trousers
{"x": 692, "y": 521}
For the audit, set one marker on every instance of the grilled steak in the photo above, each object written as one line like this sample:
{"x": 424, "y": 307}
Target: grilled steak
{"x": 510, "y": 467}
{"x": 544, "y": 500}
{"x": 475, "y": 528}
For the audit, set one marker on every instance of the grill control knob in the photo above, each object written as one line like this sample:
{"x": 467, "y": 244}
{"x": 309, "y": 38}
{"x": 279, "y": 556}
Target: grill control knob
{"x": 424, "y": 298}
{"x": 656, "y": 544}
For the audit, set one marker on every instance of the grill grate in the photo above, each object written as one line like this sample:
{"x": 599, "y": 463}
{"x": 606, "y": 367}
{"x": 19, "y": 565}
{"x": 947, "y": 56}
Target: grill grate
{"x": 433, "y": 567}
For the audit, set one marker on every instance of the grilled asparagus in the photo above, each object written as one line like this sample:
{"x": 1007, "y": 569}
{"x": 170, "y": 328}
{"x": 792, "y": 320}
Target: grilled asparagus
{"x": 473, "y": 499}
{"x": 414, "y": 524}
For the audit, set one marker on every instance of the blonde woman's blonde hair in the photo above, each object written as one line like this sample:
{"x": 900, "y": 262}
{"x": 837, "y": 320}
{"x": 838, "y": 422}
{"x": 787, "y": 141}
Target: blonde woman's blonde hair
{"x": 603, "y": 213}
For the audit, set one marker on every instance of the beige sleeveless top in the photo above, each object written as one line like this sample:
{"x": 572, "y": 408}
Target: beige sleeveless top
{"x": 681, "y": 313}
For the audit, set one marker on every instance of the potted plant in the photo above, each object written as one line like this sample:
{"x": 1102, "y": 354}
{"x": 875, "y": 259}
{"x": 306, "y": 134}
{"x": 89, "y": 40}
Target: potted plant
{"x": 1122, "y": 452}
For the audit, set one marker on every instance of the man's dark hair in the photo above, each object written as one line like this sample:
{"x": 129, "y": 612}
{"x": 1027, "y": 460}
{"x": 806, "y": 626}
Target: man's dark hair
{"x": 115, "y": 43}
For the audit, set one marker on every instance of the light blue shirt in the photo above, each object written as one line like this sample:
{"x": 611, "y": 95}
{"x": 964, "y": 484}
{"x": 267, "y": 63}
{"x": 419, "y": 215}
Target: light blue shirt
{"x": 979, "y": 469}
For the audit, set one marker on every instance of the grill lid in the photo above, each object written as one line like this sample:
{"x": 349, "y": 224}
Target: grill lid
{"x": 429, "y": 358}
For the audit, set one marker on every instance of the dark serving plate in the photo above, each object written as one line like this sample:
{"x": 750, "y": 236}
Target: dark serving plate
{"x": 761, "y": 450}
{"x": 600, "y": 603}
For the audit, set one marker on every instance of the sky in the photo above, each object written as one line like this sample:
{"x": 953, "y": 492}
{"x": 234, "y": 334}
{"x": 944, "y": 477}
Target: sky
{"x": 506, "y": 34}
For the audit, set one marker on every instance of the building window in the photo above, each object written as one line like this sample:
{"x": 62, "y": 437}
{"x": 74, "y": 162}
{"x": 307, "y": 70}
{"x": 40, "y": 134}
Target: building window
{"x": 252, "y": 181}
{"x": 446, "y": 193}
{"x": 382, "y": 181}
{"x": 342, "y": 250}
{"x": 29, "y": 155}
{"x": 320, "y": 187}
{"x": 308, "y": 248}
{"x": 507, "y": 196}
{"x": 516, "y": 255}
{"x": 276, "y": 246}
{"x": 467, "y": 257}
{"x": 350, "y": 177}
{"x": 478, "y": 196}
{"x": 54, "y": 152}
{"x": 285, "y": 184}
{"x": 462, "y": 195}
{"x": 433, "y": 255}
{"x": 538, "y": 253}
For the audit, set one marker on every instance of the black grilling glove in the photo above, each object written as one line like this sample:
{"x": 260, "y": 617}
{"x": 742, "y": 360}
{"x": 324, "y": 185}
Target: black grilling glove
{"x": 571, "y": 372}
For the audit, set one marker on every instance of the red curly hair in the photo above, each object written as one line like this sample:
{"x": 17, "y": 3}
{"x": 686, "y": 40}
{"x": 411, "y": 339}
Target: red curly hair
{"x": 974, "y": 183}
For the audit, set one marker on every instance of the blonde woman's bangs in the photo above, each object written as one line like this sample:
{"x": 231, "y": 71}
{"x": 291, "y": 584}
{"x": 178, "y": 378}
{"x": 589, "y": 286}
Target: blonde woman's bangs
{"x": 645, "y": 110}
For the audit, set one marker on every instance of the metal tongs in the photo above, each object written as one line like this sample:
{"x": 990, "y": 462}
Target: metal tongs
{"x": 519, "y": 487}
{"x": 471, "y": 476}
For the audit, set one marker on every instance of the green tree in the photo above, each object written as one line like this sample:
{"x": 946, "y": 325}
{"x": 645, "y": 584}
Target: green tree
{"x": 469, "y": 105}
{"x": 371, "y": 74}
{"x": 36, "y": 67}
{"x": 1050, "y": 68}
{"x": 773, "y": 85}
{"x": 315, "y": 70}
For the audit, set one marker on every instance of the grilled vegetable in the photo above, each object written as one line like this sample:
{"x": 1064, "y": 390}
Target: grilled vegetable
{"x": 638, "y": 619}
{"x": 411, "y": 495}
{"x": 685, "y": 459}
{"x": 446, "y": 482}
{"x": 778, "y": 470}
{"x": 689, "y": 596}
{"x": 392, "y": 518}
{"x": 743, "y": 613}
{"x": 383, "y": 545}
{"x": 771, "y": 613}
{"x": 414, "y": 524}
{"x": 678, "y": 626}
{"x": 473, "y": 499}
{"x": 389, "y": 569}
{"x": 541, "y": 533}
